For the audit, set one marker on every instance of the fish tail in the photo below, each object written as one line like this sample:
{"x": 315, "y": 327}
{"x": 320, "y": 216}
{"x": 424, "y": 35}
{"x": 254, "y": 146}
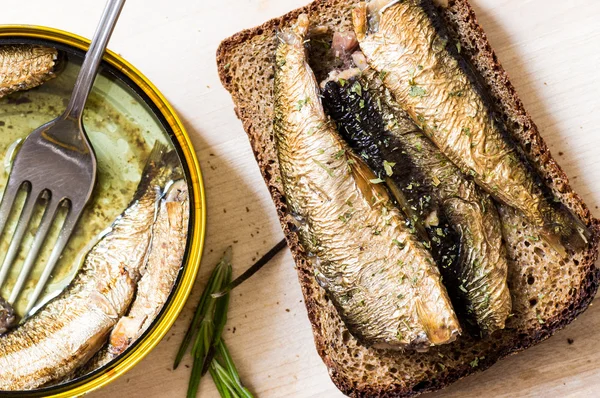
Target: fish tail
{"x": 296, "y": 34}
{"x": 161, "y": 167}
{"x": 359, "y": 20}
{"x": 438, "y": 330}
{"x": 564, "y": 230}
{"x": 366, "y": 16}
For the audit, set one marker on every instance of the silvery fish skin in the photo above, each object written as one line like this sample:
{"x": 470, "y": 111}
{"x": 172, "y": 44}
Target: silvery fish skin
{"x": 8, "y": 318}
{"x": 23, "y": 67}
{"x": 169, "y": 238}
{"x": 406, "y": 42}
{"x": 462, "y": 222}
{"x": 380, "y": 277}
{"x": 67, "y": 331}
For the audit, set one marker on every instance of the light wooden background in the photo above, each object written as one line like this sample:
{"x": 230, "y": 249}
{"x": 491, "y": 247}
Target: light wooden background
{"x": 551, "y": 49}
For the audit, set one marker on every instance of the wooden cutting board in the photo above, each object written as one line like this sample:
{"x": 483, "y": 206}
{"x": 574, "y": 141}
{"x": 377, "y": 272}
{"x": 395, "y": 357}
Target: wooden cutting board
{"x": 551, "y": 49}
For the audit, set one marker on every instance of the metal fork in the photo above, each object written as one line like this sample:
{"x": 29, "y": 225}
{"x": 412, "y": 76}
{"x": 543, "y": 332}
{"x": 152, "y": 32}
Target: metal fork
{"x": 56, "y": 161}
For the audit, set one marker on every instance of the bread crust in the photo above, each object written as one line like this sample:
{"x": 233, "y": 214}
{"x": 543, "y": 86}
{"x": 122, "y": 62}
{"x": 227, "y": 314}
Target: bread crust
{"x": 464, "y": 27}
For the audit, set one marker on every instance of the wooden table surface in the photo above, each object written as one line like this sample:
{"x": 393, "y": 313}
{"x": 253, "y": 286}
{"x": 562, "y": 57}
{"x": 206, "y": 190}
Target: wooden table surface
{"x": 551, "y": 49}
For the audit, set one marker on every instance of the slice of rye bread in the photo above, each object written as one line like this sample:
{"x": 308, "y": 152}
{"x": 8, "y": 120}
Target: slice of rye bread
{"x": 547, "y": 292}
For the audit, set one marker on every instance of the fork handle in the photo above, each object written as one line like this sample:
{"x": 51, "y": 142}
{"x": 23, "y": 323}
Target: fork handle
{"x": 87, "y": 74}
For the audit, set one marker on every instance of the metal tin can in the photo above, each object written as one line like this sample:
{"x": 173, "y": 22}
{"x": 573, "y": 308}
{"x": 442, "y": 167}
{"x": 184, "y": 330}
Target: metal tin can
{"x": 197, "y": 227}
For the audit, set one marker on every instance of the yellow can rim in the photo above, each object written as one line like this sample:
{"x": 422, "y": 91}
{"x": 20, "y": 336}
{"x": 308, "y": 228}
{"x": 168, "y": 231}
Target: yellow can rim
{"x": 195, "y": 181}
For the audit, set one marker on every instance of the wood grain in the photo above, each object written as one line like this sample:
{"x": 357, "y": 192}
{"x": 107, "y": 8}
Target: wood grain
{"x": 551, "y": 50}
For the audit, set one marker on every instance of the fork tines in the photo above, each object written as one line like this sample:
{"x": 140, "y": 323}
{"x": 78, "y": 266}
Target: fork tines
{"x": 51, "y": 205}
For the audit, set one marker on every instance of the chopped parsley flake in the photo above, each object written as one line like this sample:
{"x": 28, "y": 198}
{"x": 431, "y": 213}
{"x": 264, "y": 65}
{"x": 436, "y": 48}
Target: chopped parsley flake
{"x": 301, "y": 103}
{"x": 416, "y": 91}
{"x": 401, "y": 245}
{"x": 540, "y": 320}
{"x": 345, "y": 217}
{"x": 356, "y": 88}
{"x": 388, "y": 166}
{"x": 321, "y": 165}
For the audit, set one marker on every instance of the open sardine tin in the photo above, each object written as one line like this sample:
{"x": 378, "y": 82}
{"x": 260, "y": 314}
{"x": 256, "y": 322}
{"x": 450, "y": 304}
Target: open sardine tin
{"x": 125, "y": 116}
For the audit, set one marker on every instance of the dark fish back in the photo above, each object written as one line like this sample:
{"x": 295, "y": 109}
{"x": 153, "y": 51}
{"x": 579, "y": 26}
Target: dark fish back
{"x": 162, "y": 166}
{"x": 444, "y": 200}
{"x": 360, "y": 122}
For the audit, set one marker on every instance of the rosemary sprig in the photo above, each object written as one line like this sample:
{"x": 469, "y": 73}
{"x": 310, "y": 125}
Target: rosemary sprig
{"x": 225, "y": 374}
{"x": 209, "y": 352}
{"x": 221, "y": 388}
{"x": 208, "y": 322}
{"x": 215, "y": 283}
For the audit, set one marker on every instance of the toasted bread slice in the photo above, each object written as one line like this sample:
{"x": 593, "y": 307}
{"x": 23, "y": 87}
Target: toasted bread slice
{"x": 548, "y": 292}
